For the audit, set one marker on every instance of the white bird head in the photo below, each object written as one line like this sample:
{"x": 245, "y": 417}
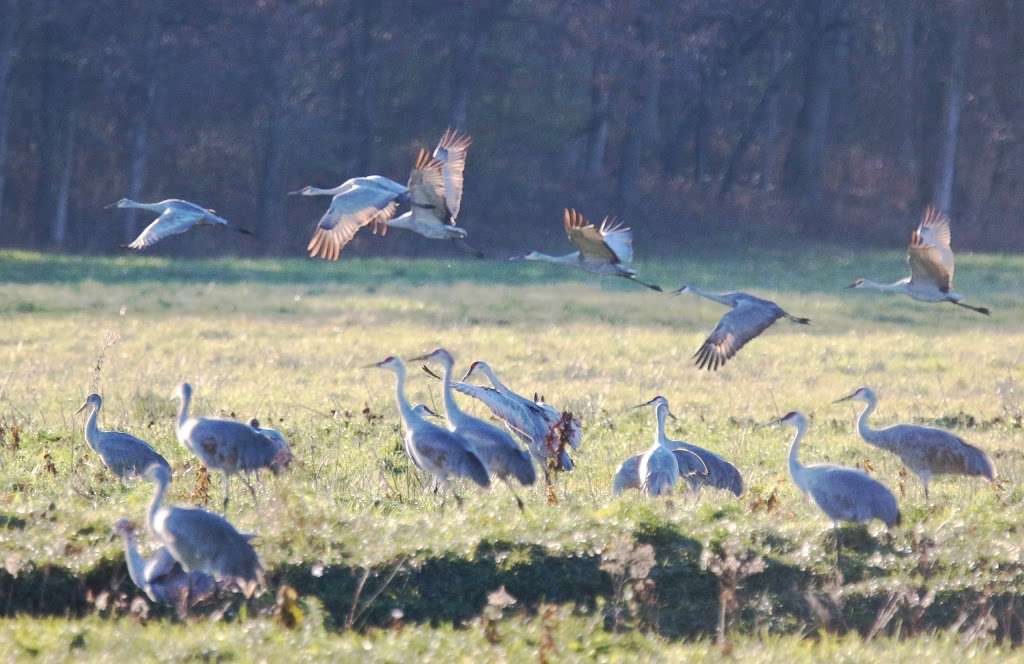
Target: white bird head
{"x": 860, "y": 394}
{"x": 657, "y": 402}
{"x": 423, "y": 409}
{"x": 183, "y": 391}
{"x": 532, "y": 256}
{"x": 123, "y": 203}
{"x": 857, "y": 283}
{"x": 478, "y": 364}
{"x": 308, "y": 190}
{"x": 390, "y": 362}
{"x": 439, "y": 354}
{"x": 794, "y": 418}
{"x": 93, "y": 400}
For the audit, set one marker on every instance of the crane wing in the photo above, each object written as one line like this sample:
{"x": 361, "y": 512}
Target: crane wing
{"x": 451, "y": 152}
{"x": 350, "y": 210}
{"x": 587, "y": 238}
{"x": 619, "y": 238}
{"x": 170, "y": 222}
{"x": 929, "y": 253}
{"x": 627, "y": 476}
{"x": 741, "y": 324}
{"x": 161, "y": 564}
{"x": 427, "y": 191}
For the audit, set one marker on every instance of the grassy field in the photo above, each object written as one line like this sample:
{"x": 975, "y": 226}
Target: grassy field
{"x": 594, "y": 577}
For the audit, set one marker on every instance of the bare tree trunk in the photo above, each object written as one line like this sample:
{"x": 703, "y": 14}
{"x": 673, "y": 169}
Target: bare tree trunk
{"x": 59, "y": 232}
{"x": 805, "y": 163}
{"x": 139, "y": 159}
{"x": 600, "y": 103}
{"x": 907, "y": 17}
{"x": 701, "y": 144}
{"x": 478, "y": 19}
{"x": 642, "y": 132}
{"x": 953, "y": 105}
{"x": 770, "y": 132}
{"x": 8, "y": 52}
{"x": 272, "y": 204}
{"x": 362, "y": 59}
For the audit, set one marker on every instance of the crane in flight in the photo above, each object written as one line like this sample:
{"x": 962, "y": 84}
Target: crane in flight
{"x": 748, "y": 317}
{"x": 606, "y": 250}
{"x": 931, "y": 265}
{"x": 176, "y": 217}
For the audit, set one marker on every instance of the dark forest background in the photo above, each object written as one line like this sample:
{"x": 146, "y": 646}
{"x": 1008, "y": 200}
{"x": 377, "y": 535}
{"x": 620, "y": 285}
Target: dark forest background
{"x": 693, "y": 120}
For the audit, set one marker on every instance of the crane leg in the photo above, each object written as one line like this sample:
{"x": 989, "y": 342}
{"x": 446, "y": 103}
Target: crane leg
{"x": 519, "y": 501}
{"x": 248, "y": 484}
{"x": 839, "y": 544}
{"x": 227, "y": 492}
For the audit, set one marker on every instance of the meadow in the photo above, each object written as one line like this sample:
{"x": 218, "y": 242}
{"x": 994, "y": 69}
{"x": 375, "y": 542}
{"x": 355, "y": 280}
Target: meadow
{"x": 383, "y": 571}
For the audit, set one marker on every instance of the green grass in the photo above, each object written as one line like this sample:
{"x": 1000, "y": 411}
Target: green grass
{"x": 284, "y": 340}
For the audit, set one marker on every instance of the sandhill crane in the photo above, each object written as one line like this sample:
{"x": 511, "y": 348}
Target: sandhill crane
{"x": 931, "y": 265}
{"x": 355, "y": 203}
{"x": 495, "y": 447}
{"x": 227, "y": 445}
{"x": 749, "y": 317}
{"x": 656, "y": 471}
{"x": 546, "y": 431}
{"x": 124, "y": 454}
{"x": 926, "y": 451}
{"x": 435, "y": 190}
{"x": 843, "y": 494}
{"x": 161, "y": 576}
{"x": 202, "y": 541}
{"x": 432, "y": 449}
{"x": 176, "y": 217}
{"x": 607, "y": 250}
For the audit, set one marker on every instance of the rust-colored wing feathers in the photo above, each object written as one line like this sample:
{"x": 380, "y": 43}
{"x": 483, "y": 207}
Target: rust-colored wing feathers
{"x": 929, "y": 253}
{"x": 586, "y": 237}
{"x": 327, "y": 243}
{"x": 451, "y": 151}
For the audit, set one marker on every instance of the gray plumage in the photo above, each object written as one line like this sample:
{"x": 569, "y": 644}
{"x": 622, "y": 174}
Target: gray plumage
{"x": 843, "y": 494}
{"x": 176, "y": 217}
{"x": 546, "y": 431}
{"x": 435, "y": 190}
{"x": 229, "y": 446}
{"x": 749, "y": 316}
{"x": 433, "y": 449}
{"x": 161, "y": 577}
{"x": 606, "y": 250}
{"x": 656, "y": 471}
{"x": 202, "y": 541}
{"x": 926, "y": 451}
{"x": 355, "y": 203}
{"x": 495, "y": 447}
{"x": 124, "y": 454}
{"x": 274, "y": 435}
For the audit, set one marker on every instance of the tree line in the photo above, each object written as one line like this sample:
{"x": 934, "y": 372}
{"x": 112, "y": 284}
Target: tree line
{"x": 738, "y": 120}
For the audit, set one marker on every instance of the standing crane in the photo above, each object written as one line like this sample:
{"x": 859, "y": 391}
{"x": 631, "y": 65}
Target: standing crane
{"x": 495, "y": 447}
{"x": 843, "y": 494}
{"x": 202, "y": 541}
{"x": 926, "y": 451}
{"x": 161, "y": 577}
{"x": 656, "y": 471}
{"x": 124, "y": 454}
{"x": 749, "y": 316}
{"x": 432, "y": 449}
{"x": 176, "y": 217}
{"x": 229, "y": 446}
{"x": 546, "y": 431}
{"x": 931, "y": 265}
{"x": 607, "y": 250}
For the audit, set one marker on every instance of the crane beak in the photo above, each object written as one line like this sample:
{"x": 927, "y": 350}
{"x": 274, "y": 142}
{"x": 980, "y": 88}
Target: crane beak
{"x": 681, "y": 290}
{"x": 81, "y": 408}
{"x": 853, "y": 285}
{"x": 469, "y": 372}
{"x": 297, "y": 192}
{"x": 107, "y": 207}
{"x": 421, "y": 358}
{"x": 846, "y": 398}
{"x": 671, "y": 414}
{"x": 430, "y": 411}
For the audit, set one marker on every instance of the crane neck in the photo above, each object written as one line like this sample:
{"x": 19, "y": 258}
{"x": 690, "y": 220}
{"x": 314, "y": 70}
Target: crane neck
{"x": 409, "y": 416}
{"x": 403, "y": 220}
{"x": 495, "y": 382}
{"x": 714, "y": 297}
{"x": 451, "y": 409}
{"x": 796, "y": 469}
{"x": 158, "y": 499}
{"x": 567, "y": 259}
{"x": 333, "y": 191}
{"x": 895, "y": 287}
{"x": 183, "y": 408}
{"x": 153, "y": 207}
{"x": 92, "y": 428}
{"x": 660, "y": 438}
{"x": 863, "y": 426}
{"x": 136, "y": 565}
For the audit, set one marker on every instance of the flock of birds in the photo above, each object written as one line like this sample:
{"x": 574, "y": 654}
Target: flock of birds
{"x": 201, "y": 552}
